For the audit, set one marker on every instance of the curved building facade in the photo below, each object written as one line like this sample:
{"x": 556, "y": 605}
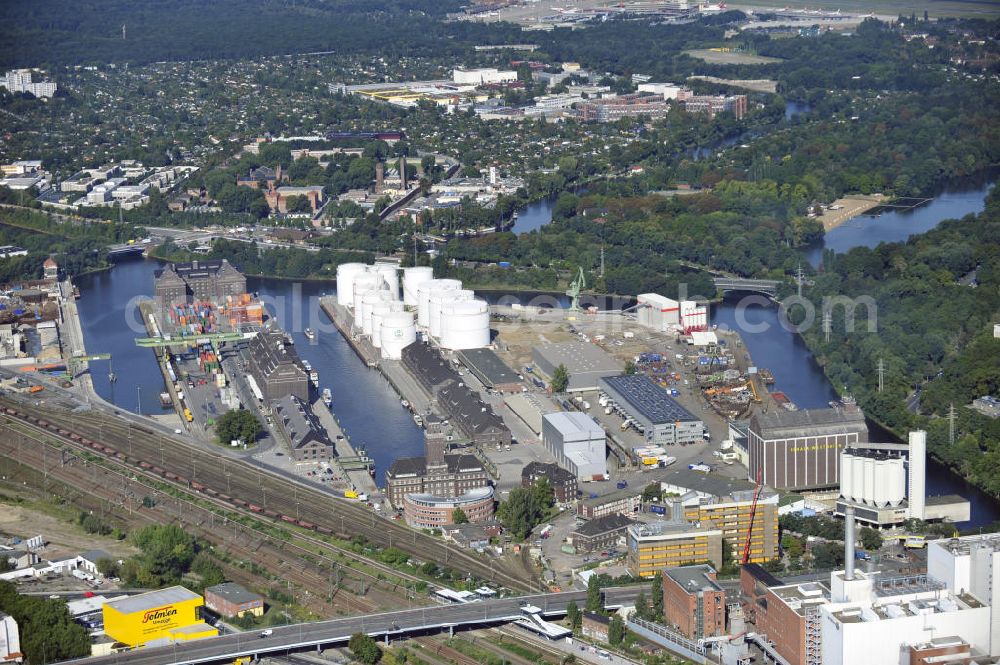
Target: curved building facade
{"x": 427, "y": 511}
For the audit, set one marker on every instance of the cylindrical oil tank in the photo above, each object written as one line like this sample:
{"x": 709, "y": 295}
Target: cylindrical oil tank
{"x": 390, "y": 274}
{"x": 362, "y": 285}
{"x": 379, "y": 312}
{"x": 413, "y": 277}
{"x": 465, "y": 325}
{"x": 399, "y": 330}
{"x": 424, "y": 296}
{"x": 846, "y": 486}
{"x": 438, "y": 300}
{"x": 869, "y": 465}
{"x": 346, "y": 274}
{"x": 368, "y": 302}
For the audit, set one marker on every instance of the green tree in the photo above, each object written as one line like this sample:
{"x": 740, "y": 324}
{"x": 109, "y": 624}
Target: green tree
{"x": 616, "y": 630}
{"x": 595, "y": 600}
{"x": 656, "y": 591}
{"x": 237, "y": 425}
{"x": 652, "y": 491}
{"x": 364, "y": 649}
{"x": 560, "y": 379}
{"x": 526, "y": 507}
{"x": 630, "y": 367}
{"x": 108, "y": 567}
{"x": 642, "y": 608}
{"x": 871, "y": 539}
{"x": 573, "y": 616}
{"x": 458, "y": 516}
{"x": 48, "y": 632}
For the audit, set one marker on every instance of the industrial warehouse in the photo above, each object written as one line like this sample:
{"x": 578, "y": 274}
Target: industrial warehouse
{"x": 657, "y": 416}
{"x": 157, "y": 617}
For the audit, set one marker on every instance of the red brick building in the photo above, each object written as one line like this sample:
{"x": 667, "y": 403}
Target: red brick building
{"x": 694, "y": 602}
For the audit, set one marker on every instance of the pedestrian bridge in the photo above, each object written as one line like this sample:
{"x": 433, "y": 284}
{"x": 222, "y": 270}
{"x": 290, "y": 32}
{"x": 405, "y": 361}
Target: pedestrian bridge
{"x": 385, "y": 625}
{"x": 768, "y": 287}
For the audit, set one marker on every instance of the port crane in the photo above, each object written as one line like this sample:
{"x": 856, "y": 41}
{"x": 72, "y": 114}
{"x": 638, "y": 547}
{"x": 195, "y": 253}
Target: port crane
{"x": 753, "y": 513}
{"x": 574, "y": 289}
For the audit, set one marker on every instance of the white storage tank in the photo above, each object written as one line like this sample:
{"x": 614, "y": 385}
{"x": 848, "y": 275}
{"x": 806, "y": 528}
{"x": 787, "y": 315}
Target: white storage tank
{"x": 379, "y": 312}
{"x": 362, "y": 285}
{"x": 437, "y": 301}
{"x": 346, "y": 274}
{"x": 424, "y": 296}
{"x": 368, "y": 302}
{"x": 413, "y": 277}
{"x": 390, "y": 274}
{"x": 398, "y": 331}
{"x": 465, "y": 325}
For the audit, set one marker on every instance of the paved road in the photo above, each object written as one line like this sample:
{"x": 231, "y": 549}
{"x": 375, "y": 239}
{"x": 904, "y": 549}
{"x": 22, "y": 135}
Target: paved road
{"x": 302, "y": 636}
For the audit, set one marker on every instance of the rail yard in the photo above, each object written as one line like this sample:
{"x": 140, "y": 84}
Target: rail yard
{"x": 249, "y": 492}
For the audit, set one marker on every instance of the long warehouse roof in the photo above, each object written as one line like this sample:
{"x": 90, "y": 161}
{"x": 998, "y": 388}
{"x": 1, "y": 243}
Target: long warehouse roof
{"x": 148, "y": 601}
{"x": 647, "y": 398}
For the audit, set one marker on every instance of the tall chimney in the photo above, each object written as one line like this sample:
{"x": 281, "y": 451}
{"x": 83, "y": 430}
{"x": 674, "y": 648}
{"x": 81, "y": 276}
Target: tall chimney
{"x": 917, "y": 464}
{"x": 849, "y": 543}
{"x": 379, "y": 177}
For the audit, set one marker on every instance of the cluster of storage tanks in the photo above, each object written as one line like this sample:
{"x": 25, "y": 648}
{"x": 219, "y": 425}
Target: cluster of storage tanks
{"x": 440, "y": 307}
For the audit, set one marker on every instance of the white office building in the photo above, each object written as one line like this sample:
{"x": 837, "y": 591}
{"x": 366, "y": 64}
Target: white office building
{"x": 577, "y": 442}
{"x": 970, "y": 567}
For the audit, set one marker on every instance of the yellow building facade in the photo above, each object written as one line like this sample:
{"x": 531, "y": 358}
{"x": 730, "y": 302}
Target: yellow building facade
{"x": 170, "y": 614}
{"x": 733, "y": 519}
{"x": 653, "y": 547}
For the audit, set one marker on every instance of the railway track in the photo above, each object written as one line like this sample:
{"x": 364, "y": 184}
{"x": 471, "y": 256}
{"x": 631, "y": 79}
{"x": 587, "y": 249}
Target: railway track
{"x": 242, "y": 487}
{"x": 32, "y": 446}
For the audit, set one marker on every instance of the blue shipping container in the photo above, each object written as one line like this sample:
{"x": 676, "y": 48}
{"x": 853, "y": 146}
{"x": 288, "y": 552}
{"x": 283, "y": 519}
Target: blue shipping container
{"x": 658, "y": 510}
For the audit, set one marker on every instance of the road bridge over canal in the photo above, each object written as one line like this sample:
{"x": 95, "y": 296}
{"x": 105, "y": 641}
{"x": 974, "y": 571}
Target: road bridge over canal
{"x": 768, "y": 287}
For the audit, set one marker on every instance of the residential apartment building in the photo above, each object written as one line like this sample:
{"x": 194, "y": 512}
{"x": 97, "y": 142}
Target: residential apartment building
{"x": 611, "y": 109}
{"x": 712, "y": 105}
{"x": 620, "y": 502}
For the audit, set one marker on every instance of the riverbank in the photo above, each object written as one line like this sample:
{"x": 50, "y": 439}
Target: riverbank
{"x": 847, "y": 208}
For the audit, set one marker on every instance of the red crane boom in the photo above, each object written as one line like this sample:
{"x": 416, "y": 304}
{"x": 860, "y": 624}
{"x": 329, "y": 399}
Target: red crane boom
{"x": 753, "y": 513}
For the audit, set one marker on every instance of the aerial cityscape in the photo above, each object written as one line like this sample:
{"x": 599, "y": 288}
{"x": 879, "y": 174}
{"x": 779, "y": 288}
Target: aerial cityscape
{"x": 499, "y": 332}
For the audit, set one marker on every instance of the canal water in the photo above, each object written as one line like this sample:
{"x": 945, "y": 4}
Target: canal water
{"x": 954, "y": 202}
{"x": 367, "y": 407}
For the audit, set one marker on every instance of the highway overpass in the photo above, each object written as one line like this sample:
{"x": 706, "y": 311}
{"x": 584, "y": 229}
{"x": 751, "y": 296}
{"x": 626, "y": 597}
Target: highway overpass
{"x": 338, "y": 631}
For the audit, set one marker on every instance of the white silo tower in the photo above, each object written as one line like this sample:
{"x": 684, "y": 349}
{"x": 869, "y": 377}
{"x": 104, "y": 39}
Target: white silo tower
{"x": 413, "y": 277}
{"x": 465, "y": 325}
{"x": 390, "y": 274}
{"x": 917, "y": 493}
{"x": 398, "y": 330}
{"x": 346, "y": 274}
{"x": 846, "y": 476}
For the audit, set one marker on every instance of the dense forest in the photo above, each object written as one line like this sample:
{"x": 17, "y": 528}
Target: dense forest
{"x": 936, "y": 298}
